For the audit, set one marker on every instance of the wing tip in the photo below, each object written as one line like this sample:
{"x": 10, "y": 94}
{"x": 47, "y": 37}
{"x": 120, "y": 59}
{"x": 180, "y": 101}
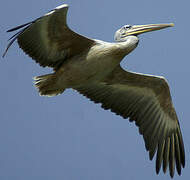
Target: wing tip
{"x": 57, "y": 8}
{"x": 62, "y": 6}
{"x": 5, "y": 52}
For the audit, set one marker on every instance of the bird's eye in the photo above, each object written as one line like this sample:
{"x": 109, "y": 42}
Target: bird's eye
{"x": 128, "y": 26}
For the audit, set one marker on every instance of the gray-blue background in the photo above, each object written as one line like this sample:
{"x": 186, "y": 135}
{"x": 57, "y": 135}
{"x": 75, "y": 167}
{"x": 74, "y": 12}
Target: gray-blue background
{"x": 68, "y": 137}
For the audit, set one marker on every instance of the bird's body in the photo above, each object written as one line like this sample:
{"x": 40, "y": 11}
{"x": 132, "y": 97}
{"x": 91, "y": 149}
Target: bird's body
{"x": 92, "y": 67}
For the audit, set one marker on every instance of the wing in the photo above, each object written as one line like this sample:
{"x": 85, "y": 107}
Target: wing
{"x": 147, "y": 101}
{"x": 48, "y": 39}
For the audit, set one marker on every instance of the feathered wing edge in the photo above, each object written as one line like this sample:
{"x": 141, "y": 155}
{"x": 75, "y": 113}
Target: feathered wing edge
{"x": 160, "y": 130}
{"x": 48, "y": 40}
{"x": 15, "y": 36}
{"x": 23, "y": 27}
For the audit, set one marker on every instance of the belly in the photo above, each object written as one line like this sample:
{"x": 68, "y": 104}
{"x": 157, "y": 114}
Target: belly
{"x": 86, "y": 70}
{"x": 90, "y": 66}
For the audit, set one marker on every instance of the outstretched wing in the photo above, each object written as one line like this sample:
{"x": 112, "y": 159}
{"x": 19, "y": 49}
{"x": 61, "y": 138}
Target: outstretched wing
{"x": 147, "y": 101}
{"x": 48, "y": 39}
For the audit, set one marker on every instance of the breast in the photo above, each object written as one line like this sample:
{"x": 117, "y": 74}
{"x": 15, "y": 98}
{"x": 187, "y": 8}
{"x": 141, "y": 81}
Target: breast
{"x": 93, "y": 65}
{"x": 103, "y": 58}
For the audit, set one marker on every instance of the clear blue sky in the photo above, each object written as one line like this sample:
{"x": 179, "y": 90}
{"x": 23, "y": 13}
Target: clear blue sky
{"x": 68, "y": 137}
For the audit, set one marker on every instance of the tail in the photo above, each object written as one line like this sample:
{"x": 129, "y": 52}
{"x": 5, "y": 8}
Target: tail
{"x": 46, "y": 85}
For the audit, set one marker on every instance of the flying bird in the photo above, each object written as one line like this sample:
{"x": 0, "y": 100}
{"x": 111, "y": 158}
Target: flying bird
{"x": 92, "y": 67}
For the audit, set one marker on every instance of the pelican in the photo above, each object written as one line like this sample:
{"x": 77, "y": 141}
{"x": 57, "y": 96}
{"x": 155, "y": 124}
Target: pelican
{"x": 92, "y": 67}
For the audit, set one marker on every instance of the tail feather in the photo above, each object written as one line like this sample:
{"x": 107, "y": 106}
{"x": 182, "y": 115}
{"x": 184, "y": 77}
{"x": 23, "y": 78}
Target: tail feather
{"x": 46, "y": 85}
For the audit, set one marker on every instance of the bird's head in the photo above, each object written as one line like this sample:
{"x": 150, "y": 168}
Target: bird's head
{"x": 134, "y": 30}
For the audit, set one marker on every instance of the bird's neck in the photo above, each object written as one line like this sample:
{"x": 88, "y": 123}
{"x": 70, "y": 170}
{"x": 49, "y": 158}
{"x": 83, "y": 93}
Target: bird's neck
{"x": 128, "y": 44}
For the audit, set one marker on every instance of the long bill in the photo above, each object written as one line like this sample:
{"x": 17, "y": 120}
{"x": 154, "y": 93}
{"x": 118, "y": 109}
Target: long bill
{"x": 139, "y": 29}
